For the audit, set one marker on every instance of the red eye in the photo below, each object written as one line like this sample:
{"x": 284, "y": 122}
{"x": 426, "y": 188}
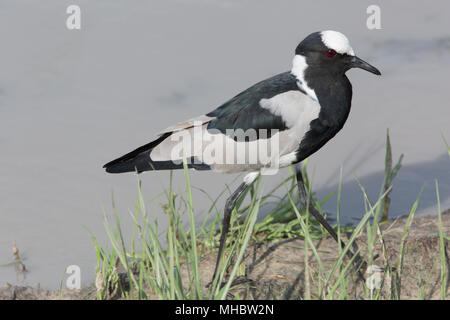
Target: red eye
{"x": 331, "y": 53}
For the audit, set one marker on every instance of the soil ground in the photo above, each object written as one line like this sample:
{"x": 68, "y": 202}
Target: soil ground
{"x": 277, "y": 270}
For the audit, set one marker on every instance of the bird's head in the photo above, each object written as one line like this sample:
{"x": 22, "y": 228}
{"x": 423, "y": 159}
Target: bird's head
{"x": 329, "y": 51}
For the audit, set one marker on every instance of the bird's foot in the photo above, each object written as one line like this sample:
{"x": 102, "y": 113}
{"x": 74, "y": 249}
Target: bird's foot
{"x": 237, "y": 281}
{"x": 240, "y": 280}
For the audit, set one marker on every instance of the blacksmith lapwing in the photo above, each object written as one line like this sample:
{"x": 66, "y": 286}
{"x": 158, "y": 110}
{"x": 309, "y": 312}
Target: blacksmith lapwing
{"x": 275, "y": 123}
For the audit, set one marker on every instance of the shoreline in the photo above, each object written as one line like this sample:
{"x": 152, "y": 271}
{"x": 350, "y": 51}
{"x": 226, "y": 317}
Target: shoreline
{"x": 277, "y": 269}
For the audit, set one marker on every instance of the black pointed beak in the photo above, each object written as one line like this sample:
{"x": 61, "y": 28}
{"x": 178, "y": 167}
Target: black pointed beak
{"x": 356, "y": 62}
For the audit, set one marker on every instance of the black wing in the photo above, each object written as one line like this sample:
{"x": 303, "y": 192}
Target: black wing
{"x": 244, "y": 112}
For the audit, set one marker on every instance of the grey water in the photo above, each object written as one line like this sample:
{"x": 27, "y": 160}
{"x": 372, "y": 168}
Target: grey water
{"x": 71, "y": 100}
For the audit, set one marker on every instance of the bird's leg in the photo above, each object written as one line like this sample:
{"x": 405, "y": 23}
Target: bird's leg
{"x": 229, "y": 206}
{"x": 304, "y": 202}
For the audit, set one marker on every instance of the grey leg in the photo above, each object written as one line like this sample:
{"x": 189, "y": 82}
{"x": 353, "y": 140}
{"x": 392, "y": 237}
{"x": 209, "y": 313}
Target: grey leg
{"x": 316, "y": 214}
{"x": 228, "y": 210}
{"x": 304, "y": 201}
{"x": 229, "y": 206}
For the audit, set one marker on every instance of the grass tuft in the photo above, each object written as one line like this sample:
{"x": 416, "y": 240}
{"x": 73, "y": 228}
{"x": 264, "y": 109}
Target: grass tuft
{"x": 168, "y": 264}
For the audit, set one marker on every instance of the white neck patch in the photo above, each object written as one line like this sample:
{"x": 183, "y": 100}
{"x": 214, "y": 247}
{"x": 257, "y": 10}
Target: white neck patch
{"x": 337, "y": 41}
{"x": 299, "y": 66}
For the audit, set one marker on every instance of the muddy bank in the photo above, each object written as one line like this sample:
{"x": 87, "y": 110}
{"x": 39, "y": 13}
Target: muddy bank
{"x": 277, "y": 271}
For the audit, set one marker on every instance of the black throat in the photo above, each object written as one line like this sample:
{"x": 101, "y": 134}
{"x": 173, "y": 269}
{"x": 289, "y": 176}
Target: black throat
{"x": 334, "y": 92}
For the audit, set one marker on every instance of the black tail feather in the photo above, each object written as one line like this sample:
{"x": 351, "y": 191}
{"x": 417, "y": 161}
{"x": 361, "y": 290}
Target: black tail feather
{"x": 139, "y": 160}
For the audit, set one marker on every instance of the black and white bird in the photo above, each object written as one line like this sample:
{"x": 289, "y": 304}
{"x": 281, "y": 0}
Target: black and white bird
{"x": 290, "y": 115}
